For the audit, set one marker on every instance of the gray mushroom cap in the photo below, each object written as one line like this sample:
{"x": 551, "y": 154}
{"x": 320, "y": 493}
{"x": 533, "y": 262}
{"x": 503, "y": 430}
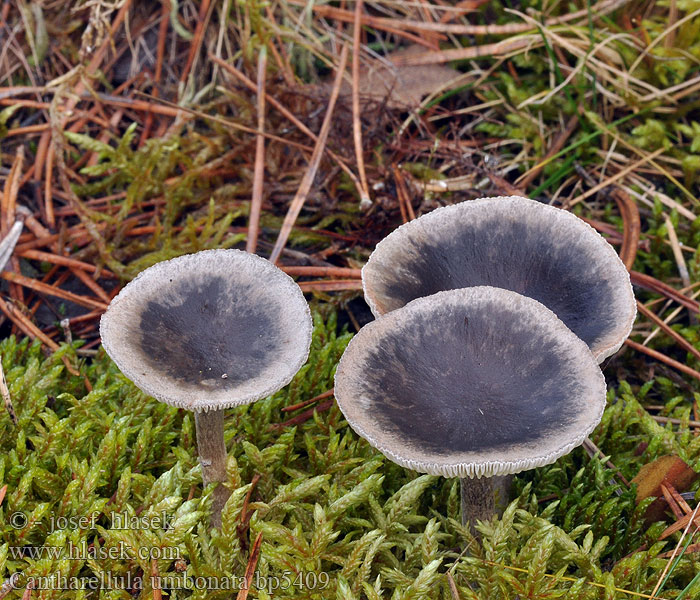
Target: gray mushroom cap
{"x": 472, "y": 382}
{"x": 210, "y": 330}
{"x": 514, "y": 243}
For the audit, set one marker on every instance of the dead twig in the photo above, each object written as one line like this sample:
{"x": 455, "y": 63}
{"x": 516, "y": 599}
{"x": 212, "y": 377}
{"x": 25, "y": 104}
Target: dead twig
{"x": 25, "y": 325}
{"x": 690, "y": 423}
{"x": 250, "y": 568}
{"x": 685, "y": 344}
{"x": 632, "y": 227}
{"x": 155, "y": 580}
{"x": 322, "y": 272}
{"x": 50, "y": 290}
{"x": 652, "y": 284}
{"x": 336, "y": 285}
{"x": 664, "y": 359}
{"x": 404, "y": 196}
{"x": 242, "y": 528}
{"x": 305, "y": 403}
{"x": 304, "y": 416}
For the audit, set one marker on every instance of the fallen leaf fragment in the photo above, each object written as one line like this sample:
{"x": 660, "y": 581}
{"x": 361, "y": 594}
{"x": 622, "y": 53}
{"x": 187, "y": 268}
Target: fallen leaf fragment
{"x": 401, "y": 86}
{"x": 669, "y": 470}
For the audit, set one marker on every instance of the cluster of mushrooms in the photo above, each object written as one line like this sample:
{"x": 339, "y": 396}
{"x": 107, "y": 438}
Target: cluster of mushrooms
{"x": 492, "y": 318}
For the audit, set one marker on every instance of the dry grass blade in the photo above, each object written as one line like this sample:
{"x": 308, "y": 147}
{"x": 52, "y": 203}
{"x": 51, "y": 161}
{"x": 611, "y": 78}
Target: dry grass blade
{"x": 9, "y": 197}
{"x": 668, "y": 31}
{"x": 594, "y": 451}
{"x": 662, "y": 578}
{"x": 48, "y": 183}
{"x": 91, "y": 284}
{"x": 600, "y": 9}
{"x": 404, "y": 196}
{"x": 645, "y": 157}
{"x": 619, "y": 175}
{"x": 259, "y": 172}
{"x": 92, "y": 66}
{"x": 677, "y": 252}
{"x": 671, "y": 501}
{"x": 685, "y": 507}
{"x": 9, "y": 243}
{"x": 4, "y": 390}
{"x": 496, "y": 49}
{"x": 198, "y": 38}
{"x": 690, "y": 423}
{"x": 309, "y": 176}
{"x": 690, "y": 549}
{"x": 678, "y": 525}
{"x": 356, "y": 122}
{"x": 453, "y": 586}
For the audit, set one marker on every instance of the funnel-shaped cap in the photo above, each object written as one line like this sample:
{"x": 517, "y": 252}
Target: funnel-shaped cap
{"x": 468, "y": 383}
{"x": 514, "y": 243}
{"x": 209, "y": 330}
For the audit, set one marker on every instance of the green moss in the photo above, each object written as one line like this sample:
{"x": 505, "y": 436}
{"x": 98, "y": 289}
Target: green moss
{"x": 98, "y": 474}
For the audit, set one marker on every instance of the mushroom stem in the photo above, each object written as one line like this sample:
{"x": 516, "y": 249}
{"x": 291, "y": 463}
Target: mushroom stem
{"x": 212, "y": 457}
{"x": 483, "y": 497}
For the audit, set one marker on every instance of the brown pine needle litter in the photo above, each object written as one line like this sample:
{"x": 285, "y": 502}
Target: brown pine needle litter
{"x": 134, "y": 132}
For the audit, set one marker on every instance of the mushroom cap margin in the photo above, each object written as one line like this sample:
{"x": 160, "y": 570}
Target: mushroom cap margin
{"x": 446, "y": 218}
{"x": 233, "y": 276}
{"x": 365, "y": 416}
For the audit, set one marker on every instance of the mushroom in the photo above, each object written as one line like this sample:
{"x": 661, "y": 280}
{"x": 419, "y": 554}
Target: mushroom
{"x": 514, "y": 243}
{"x": 206, "y": 332}
{"x": 474, "y": 383}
